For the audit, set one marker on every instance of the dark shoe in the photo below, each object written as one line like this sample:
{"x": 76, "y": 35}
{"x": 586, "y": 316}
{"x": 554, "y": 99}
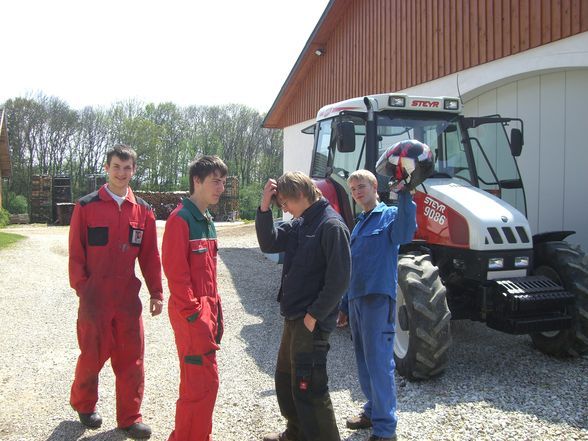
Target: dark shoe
{"x": 277, "y": 437}
{"x": 137, "y": 431}
{"x": 381, "y": 438}
{"x": 91, "y": 420}
{"x": 360, "y": 421}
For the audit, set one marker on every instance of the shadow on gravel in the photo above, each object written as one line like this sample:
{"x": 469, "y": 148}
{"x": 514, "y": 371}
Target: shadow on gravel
{"x": 504, "y": 372}
{"x": 74, "y": 431}
{"x": 257, "y": 281}
{"x": 499, "y": 371}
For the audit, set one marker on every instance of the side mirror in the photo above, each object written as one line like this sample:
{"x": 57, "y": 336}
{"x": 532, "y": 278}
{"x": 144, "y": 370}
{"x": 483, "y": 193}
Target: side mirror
{"x": 516, "y": 142}
{"x": 344, "y": 135}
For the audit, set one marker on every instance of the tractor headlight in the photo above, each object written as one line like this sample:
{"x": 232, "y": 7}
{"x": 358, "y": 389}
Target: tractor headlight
{"x": 396, "y": 101}
{"x": 495, "y": 263}
{"x": 522, "y": 262}
{"x": 451, "y": 104}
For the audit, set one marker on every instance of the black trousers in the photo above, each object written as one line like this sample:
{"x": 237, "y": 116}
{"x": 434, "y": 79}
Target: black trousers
{"x": 301, "y": 383}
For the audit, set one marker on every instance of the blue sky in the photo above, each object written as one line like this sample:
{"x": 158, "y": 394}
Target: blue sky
{"x": 188, "y": 52}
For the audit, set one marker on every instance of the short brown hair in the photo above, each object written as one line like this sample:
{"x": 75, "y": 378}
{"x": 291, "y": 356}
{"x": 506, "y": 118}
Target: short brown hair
{"x": 204, "y": 166}
{"x": 123, "y": 152}
{"x": 293, "y": 185}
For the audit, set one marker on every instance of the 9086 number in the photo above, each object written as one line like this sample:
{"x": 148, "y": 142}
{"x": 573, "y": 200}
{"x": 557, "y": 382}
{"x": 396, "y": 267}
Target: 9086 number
{"x": 435, "y": 215}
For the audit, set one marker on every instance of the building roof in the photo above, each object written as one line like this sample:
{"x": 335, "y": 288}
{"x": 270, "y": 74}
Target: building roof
{"x": 315, "y": 42}
{"x": 5, "y": 164}
{"x": 379, "y": 46}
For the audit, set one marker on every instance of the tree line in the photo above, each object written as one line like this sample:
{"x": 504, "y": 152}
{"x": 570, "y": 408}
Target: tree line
{"x": 48, "y": 137}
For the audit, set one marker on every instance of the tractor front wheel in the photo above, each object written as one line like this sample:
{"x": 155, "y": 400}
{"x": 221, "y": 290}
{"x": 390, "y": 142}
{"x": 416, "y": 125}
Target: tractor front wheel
{"x": 422, "y": 319}
{"x": 569, "y": 267}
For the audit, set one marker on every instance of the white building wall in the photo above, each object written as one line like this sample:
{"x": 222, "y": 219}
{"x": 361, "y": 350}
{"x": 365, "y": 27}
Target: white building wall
{"x": 298, "y": 148}
{"x": 555, "y": 155}
{"x": 547, "y": 87}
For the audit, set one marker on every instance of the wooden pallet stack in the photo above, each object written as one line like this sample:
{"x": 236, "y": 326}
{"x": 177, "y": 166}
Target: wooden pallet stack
{"x": 41, "y": 199}
{"x": 61, "y": 194}
{"x": 227, "y": 208}
{"x": 94, "y": 182}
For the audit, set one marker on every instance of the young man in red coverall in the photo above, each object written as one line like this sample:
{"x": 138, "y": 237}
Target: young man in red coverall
{"x": 109, "y": 229}
{"x": 189, "y": 254}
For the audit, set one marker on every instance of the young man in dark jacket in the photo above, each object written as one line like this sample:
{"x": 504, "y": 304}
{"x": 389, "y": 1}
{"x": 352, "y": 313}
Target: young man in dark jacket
{"x": 315, "y": 276}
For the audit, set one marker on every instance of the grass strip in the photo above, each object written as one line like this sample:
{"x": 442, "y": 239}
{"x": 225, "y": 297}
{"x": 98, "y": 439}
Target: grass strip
{"x": 7, "y": 239}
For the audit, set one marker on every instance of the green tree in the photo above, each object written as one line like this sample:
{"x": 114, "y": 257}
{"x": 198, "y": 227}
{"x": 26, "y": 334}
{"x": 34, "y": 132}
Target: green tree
{"x": 46, "y": 136}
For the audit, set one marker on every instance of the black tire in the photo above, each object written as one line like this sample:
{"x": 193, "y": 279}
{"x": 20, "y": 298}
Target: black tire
{"x": 569, "y": 267}
{"x": 422, "y": 319}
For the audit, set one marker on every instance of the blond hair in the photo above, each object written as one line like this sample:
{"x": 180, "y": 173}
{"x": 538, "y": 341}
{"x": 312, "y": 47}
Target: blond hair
{"x": 363, "y": 175}
{"x": 293, "y": 185}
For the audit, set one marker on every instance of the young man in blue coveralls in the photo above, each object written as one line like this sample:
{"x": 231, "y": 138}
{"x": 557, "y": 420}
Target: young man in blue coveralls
{"x": 369, "y": 305}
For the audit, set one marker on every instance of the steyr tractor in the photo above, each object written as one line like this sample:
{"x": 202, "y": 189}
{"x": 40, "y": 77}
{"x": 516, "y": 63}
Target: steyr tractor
{"x": 474, "y": 255}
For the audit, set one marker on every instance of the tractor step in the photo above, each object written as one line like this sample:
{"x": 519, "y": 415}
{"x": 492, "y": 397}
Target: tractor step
{"x": 524, "y": 305}
{"x": 530, "y": 325}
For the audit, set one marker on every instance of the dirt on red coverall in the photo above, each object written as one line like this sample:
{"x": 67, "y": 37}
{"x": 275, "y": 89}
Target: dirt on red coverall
{"x": 104, "y": 242}
{"x": 189, "y": 253}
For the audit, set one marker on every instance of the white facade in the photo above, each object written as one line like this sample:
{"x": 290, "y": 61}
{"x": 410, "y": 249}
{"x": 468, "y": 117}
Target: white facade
{"x": 547, "y": 87}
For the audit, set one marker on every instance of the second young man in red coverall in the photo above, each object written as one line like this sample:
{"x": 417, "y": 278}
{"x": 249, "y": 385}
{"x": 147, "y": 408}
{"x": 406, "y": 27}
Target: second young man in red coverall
{"x": 109, "y": 230}
{"x": 189, "y": 254}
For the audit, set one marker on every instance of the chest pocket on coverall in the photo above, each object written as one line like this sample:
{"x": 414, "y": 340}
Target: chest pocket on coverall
{"x": 201, "y": 252}
{"x": 97, "y": 236}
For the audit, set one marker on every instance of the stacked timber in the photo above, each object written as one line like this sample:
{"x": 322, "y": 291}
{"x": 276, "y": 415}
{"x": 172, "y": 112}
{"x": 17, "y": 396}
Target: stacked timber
{"x": 61, "y": 194}
{"x": 164, "y": 203}
{"x": 41, "y": 199}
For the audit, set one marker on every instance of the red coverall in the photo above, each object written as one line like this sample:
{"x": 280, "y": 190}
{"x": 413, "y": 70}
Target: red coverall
{"x": 189, "y": 254}
{"x": 104, "y": 241}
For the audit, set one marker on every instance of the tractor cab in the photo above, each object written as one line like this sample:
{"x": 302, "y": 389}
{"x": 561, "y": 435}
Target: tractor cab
{"x": 478, "y": 151}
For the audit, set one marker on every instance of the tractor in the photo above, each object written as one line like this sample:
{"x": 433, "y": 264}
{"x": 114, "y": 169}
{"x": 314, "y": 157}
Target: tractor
{"x": 473, "y": 255}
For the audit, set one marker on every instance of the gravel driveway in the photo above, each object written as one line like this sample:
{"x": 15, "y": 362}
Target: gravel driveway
{"x": 495, "y": 388}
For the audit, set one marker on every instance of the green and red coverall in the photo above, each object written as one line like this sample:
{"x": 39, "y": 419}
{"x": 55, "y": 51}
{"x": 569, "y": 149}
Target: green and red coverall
{"x": 189, "y": 253}
{"x": 104, "y": 242}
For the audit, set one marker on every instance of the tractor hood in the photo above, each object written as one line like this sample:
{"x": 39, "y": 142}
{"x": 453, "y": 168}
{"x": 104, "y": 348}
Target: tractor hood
{"x": 493, "y": 223}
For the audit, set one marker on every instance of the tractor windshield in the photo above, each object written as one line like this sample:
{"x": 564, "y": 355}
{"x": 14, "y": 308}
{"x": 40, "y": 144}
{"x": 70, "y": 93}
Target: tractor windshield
{"x": 439, "y": 131}
{"x": 479, "y": 155}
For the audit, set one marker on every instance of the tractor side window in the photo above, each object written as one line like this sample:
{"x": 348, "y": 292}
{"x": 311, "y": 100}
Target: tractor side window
{"x": 500, "y": 168}
{"x": 321, "y": 153}
{"x": 448, "y": 151}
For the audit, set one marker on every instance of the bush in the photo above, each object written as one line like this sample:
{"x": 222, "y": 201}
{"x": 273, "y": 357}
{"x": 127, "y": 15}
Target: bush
{"x": 4, "y": 217}
{"x": 17, "y": 204}
{"x": 249, "y": 197}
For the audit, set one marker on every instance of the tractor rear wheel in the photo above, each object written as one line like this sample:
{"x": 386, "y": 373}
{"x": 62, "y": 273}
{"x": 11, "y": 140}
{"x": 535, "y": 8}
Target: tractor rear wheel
{"x": 569, "y": 267}
{"x": 422, "y": 319}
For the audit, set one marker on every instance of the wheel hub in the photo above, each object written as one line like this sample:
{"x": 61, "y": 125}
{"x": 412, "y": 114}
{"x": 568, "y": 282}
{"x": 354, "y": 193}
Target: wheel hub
{"x": 402, "y": 337}
{"x": 403, "y": 318}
